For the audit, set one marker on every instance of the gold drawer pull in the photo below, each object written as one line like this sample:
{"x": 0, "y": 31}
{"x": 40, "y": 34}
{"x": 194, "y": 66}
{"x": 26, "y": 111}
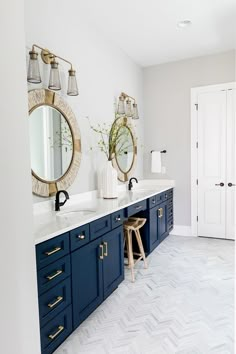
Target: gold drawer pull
{"x": 58, "y": 272}
{"x": 53, "y": 336}
{"x": 118, "y": 218}
{"x": 81, "y": 237}
{"x": 160, "y": 213}
{"x": 59, "y": 299}
{"x": 49, "y": 253}
{"x": 101, "y": 256}
{"x": 106, "y": 249}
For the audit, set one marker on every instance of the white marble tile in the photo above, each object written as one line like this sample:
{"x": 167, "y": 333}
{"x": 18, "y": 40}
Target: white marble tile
{"x": 182, "y": 304}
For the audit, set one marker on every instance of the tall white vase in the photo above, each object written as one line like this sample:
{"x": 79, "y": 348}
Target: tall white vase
{"x": 109, "y": 181}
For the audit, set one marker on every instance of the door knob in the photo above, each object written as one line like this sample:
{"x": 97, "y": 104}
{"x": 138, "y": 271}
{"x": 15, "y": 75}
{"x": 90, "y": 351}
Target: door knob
{"x": 220, "y": 184}
{"x": 231, "y": 184}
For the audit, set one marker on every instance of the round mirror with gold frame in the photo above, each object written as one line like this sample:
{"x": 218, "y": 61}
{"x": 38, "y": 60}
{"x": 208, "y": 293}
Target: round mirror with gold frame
{"x": 55, "y": 143}
{"x": 125, "y": 150}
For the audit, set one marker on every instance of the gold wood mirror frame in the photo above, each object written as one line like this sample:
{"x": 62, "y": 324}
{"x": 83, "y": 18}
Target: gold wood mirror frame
{"x": 44, "y": 97}
{"x": 124, "y": 123}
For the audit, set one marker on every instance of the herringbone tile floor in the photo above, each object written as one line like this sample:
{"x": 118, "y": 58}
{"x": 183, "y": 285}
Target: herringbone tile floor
{"x": 182, "y": 304}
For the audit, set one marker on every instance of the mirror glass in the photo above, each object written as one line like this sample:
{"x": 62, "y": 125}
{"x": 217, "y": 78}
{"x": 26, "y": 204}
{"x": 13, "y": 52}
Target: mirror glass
{"x": 124, "y": 149}
{"x": 51, "y": 143}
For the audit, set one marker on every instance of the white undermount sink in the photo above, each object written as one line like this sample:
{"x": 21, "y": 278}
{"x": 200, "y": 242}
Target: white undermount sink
{"x": 75, "y": 212}
{"x": 142, "y": 191}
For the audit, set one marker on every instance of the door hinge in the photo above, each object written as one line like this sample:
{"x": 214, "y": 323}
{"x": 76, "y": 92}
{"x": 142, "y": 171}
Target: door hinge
{"x": 197, "y": 145}
{"x": 197, "y": 181}
{"x": 197, "y": 218}
{"x": 196, "y": 105}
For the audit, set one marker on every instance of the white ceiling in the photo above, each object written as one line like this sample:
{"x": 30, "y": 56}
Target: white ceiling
{"x": 147, "y": 29}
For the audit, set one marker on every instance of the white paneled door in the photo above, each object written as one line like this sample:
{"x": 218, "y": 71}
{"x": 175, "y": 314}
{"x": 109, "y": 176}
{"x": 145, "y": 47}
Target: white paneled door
{"x": 231, "y": 165}
{"x": 216, "y": 162}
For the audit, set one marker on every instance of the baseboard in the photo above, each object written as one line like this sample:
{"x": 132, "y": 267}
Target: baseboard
{"x": 181, "y": 230}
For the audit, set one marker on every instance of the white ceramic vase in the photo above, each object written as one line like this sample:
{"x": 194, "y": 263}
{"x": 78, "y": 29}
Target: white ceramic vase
{"x": 109, "y": 181}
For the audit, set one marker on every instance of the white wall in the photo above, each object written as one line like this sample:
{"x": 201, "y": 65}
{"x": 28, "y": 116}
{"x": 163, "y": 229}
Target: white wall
{"x": 103, "y": 72}
{"x": 19, "y": 329}
{"x": 167, "y": 117}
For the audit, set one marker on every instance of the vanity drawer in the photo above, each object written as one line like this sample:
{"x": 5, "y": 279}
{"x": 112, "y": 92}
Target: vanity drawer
{"x": 159, "y": 198}
{"x": 164, "y": 196}
{"x": 152, "y": 201}
{"x": 54, "y": 301}
{"x": 170, "y": 225}
{"x": 53, "y": 274}
{"x": 56, "y": 331}
{"x": 79, "y": 237}
{"x": 170, "y": 203}
{"x": 170, "y": 194}
{"x": 100, "y": 227}
{"x": 135, "y": 208}
{"x": 51, "y": 250}
{"x": 117, "y": 218}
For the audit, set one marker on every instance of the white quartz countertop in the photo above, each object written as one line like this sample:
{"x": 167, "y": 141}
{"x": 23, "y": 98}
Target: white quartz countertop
{"x": 83, "y": 208}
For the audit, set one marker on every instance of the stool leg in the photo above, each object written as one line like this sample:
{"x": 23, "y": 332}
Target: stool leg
{"x": 130, "y": 254}
{"x": 140, "y": 245}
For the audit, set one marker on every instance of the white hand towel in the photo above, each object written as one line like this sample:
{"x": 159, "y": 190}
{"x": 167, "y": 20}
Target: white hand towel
{"x": 156, "y": 162}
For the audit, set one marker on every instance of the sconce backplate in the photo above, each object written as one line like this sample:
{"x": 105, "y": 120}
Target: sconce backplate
{"x": 46, "y": 57}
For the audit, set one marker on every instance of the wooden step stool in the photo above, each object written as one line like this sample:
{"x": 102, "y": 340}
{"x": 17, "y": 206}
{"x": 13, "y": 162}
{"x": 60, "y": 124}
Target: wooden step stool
{"x": 134, "y": 225}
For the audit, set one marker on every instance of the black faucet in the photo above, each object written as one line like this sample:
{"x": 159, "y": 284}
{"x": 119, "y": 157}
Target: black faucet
{"x": 130, "y": 185}
{"x": 58, "y": 204}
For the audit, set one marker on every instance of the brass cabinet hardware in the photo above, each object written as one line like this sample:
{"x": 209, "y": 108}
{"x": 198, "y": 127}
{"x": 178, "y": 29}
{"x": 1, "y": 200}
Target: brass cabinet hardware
{"x": 81, "y": 237}
{"x": 101, "y": 256}
{"x": 138, "y": 207}
{"x": 160, "y": 213}
{"x": 118, "y": 218}
{"x": 59, "y": 299}
{"x": 49, "y": 253}
{"x": 58, "y": 272}
{"x": 106, "y": 249}
{"x": 53, "y": 336}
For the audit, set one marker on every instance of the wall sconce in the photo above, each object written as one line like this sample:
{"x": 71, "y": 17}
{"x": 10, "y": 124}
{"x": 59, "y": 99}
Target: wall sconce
{"x": 125, "y": 106}
{"x": 33, "y": 75}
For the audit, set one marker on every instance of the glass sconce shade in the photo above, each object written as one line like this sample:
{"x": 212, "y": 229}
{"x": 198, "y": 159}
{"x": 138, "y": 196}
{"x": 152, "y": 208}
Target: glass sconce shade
{"x": 72, "y": 89}
{"x": 135, "y": 111}
{"x": 128, "y": 109}
{"x": 121, "y": 105}
{"x": 33, "y": 74}
{"x": 54, "y": 80}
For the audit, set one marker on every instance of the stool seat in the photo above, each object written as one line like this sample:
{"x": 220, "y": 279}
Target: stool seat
{"x": 133, "y": 225}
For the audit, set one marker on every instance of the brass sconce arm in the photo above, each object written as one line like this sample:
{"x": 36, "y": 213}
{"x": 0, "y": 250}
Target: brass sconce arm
{"x": 48, "y": 56}
{"x": 125, "y": 95}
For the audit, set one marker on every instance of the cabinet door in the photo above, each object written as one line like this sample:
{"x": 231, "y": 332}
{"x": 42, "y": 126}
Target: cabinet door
{"x": 113, "y": 262}
{"x": 153, "y": 227}
{"x": 87, "y": 289}
{"x": 162, "y": 222}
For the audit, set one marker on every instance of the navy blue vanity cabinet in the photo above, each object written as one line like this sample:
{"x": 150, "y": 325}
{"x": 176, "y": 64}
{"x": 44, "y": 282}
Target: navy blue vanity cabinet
{"x": 170, "y": 210}
{"x": 159, "y": 217}
{"x": 87, "y": 289}
{"x": 56, "y": 331}
{"x": 113, "y": 262}
{"x": 54, "y": 289}
{"x": 97, "y": 270}
{"x": 162, "y": 224}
